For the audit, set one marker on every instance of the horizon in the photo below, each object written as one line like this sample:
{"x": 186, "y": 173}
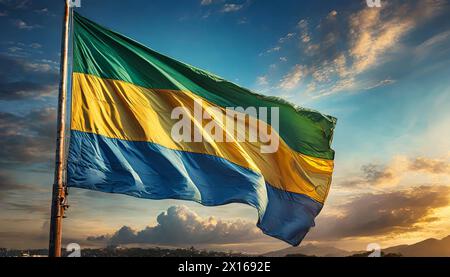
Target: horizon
{"x": 424, "y": 248}
{"x": 301, "y": 246}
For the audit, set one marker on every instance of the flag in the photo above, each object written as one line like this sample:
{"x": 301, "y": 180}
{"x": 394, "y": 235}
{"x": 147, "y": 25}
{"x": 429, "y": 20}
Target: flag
{"x": 122, "y": 135}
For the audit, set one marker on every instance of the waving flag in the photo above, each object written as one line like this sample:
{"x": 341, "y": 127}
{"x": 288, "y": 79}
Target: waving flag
{"x": 122, "y": 136}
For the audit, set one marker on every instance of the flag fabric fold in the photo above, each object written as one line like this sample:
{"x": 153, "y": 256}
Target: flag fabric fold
{"x": 123, "y": 95}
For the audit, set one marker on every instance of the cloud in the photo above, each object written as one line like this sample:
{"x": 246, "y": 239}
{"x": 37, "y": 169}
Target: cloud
{"x": 7, "y": 184}
{"x": 332, "y": 15}
{"x": 343, "y": 51}
{"x": 101, "y": 238}
{"x": 386, "y": 213}
{"x": 19, "y": 23}
{"x": 25, "y": 90}
{"x": 227, "y": 8}
{"x": 305, "y": 36}
{"x": 206, "y": 2}
{"x": 293, "y": 78}
{"x": 16, "y": 4}
{"x": 15, "y": 195}
{"x": 281, "y": 41}
{"x": 274, "y": 49}
{"x": 381, "y": 83}
{"x": 432, "y": 43}
{"x": 35, "y": 45}
{"x": 40, "y": 207}
{"x": 19, "y": 49}
{"x": 181, "y": 226}
{"x": 43, "y": 10}
{"x": 373, "y": 35}
{"x": 243, "y": 20}
{"x": 434, "y": 166}
{"x": 287, "y": 37}
{"x": 15, "y": 76}
{"x": 375, "y": 175}
{"x": 399, "y": 166}
{"x": 262, "y": 81}
{"x": 30, "y": 138}
{"x": 375, "y": 31}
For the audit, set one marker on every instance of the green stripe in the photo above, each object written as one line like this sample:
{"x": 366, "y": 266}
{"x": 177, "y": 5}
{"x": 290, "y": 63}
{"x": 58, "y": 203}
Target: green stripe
{"x": 106, "y": 54}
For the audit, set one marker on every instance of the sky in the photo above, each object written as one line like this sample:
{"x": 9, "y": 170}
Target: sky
{"x": 383, "y": 72}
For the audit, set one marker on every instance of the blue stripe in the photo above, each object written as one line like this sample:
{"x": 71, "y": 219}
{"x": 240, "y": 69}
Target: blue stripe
{"x": 148, "y": 170}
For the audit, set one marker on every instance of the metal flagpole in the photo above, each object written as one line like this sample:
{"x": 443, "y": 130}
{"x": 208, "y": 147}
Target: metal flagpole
{"x": 58, "y": 195}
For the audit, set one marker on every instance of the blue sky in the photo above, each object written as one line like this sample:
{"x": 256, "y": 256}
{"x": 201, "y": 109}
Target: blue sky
{"x": 383, "y": 72}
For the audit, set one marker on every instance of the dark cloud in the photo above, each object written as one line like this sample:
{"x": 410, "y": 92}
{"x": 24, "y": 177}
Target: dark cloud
{"x": 9, "y": 186}
{"x": 15, "y": 76}
{"x": 374, "y": 173}
{"x": 332, "y": 37}
{"x": 380, "y": 214}
{"x": 379, "y": 175}
{"x": 181, "y": 226}
{"x": 17, "y": 196}
{"x": 29, "y": 139}
{"x": 16, "y": 4}
{"x": 24, "y": 90}
{"x": 42, "y": 207}
{"x": 102, "y": 238}
{"x": 430, "y": 165}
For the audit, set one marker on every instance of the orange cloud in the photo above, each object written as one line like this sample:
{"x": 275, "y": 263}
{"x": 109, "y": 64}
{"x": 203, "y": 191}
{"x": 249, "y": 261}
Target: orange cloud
{"x": 382, "y": 214}
{"x": 400, "y": 167}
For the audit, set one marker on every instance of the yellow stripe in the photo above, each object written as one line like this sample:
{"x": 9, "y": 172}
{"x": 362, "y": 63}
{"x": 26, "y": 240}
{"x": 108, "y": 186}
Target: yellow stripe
{"x": 121, "y": 110}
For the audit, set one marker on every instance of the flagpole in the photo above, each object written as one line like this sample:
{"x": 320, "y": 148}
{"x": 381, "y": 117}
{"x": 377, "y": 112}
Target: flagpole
{"x": 58, "y": 194}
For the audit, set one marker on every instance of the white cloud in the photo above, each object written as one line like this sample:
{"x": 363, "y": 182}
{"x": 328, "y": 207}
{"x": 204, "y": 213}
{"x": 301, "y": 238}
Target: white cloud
{"x": 42, "y": 11}
{"x": 286, "y": 37}
{"x": 302, "y": 24}
{"x": 343, "y": 59}
{"x": 23, "y": 25}
{"x": 262, "y": 81}
{"x": 346, "y": 84}
{"x": 375, "y": 31}
{"x": 231, "y": 8}
{"x": 282, "y": 40}
{"x": 373, "y": 34}
{"x": 16, "y": 4}
{"x": 242, "y": 21}
{"x": 206, "y": 2}
{"x": 35, "y": 45}
{"x": 38, "y": 67}
{"x": 293, "y": 78}
{"x": 304, "y": 32}
{"x": 181, "y": 226}
{"x": 332, "y": 14}
{"x": 271, "y": 50}
{"x": 426, "y": 46}
{"x": 14, "y": 49}
{"x": 381, "y": 83}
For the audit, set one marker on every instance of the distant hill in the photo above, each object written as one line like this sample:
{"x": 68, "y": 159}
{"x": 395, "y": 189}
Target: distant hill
{"x": 427, "y": 248}
{"x": 309, "y": 250}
